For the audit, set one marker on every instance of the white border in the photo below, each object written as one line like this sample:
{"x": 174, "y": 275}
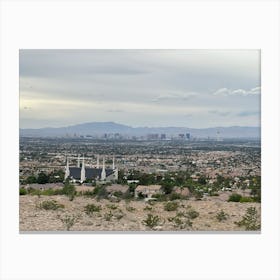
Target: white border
{"x": 156, "y": 24}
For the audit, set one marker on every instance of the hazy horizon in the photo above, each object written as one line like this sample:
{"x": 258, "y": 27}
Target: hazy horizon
{"x": 148, "y": 126}
{"x": 140, "y": 88}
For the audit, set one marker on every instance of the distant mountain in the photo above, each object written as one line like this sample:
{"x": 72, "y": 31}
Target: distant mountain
{"x": 100, "y": 128}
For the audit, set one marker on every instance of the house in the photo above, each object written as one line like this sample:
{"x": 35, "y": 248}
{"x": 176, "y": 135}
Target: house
{"x": 148, "y": 191}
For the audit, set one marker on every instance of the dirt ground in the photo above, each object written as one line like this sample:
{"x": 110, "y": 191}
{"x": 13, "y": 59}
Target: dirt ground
{"x": 130, "y": 216}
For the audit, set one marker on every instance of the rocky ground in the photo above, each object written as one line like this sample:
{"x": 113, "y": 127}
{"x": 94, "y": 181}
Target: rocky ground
{"x": 131, "y": 215}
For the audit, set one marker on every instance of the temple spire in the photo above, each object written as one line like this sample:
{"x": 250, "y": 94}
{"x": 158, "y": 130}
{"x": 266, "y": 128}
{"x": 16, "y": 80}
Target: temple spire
{"x": 103, "y": 172}
{"x": 78, "y": 163}
{"x": 67, "y": 171}
{"x": 83, "y": 171}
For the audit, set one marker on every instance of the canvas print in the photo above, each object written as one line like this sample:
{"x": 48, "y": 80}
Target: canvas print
{"x": 139, "y": 140}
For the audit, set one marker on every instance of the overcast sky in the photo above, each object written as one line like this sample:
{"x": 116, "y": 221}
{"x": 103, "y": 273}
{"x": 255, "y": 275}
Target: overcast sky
{"x": 190, "y": 88}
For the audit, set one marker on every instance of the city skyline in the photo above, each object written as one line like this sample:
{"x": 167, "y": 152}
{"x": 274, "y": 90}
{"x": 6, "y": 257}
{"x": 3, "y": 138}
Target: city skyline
{"x": 184, "y": 88}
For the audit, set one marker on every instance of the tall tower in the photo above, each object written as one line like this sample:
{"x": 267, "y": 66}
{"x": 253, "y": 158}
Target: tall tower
{"x": 103, "y": 172}
{"x": 83, "y": 171}
{"x": 67, "y": 171}
{"x": 115, "y": 170}
{"x": 78, "y": 163}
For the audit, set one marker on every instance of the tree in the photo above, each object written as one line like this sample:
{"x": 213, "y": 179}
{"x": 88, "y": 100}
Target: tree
{"x": 69, "y": 190}
{"x": 31, "y": 180}
{"x": 42, "y": 178}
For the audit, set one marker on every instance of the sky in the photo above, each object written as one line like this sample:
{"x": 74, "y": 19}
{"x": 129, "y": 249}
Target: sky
{"x": 187, "y": 88}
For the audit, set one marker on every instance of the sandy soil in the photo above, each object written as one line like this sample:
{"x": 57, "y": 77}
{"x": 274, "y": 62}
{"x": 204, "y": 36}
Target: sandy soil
{"x": 129, "y": 216}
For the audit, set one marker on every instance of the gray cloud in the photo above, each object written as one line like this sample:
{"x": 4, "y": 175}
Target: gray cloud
{"x": 139, "y": 87}
{"x": 226, "y": 91}
{"x": 248, "y": 113}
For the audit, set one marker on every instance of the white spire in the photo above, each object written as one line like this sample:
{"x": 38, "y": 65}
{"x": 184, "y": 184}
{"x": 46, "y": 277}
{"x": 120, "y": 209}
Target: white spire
{"x": 78, "y": 164}
{"x": 97, "y": 165}
{"x": 103, "y": 172}
{"x": 83, "y": 171}
{"x": 67, "y": 171}
{"x": 113, "y": 167}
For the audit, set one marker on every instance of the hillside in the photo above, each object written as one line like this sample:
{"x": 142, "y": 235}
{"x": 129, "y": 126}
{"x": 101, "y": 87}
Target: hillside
{"x": 100, "y": 128}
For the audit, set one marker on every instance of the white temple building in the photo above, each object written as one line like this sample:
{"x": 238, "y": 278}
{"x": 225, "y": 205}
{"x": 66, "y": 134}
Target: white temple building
{"x": 81, "y": 173}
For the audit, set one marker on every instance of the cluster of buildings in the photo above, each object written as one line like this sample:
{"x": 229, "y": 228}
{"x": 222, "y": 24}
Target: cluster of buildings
{"x": 81, "y": 173}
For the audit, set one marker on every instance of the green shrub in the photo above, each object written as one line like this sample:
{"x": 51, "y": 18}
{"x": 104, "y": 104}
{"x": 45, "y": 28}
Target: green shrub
{"x": 180, "y": 222}
{"x": 222, "y": 216}
{"x": 90, "y": 208}
{"x": 48, "y": 192}
{"x": 22, "y": 191}
{"x": 69, "y": 220}
{"x": 151, "y": 221}
{"x": 148, "y": 208}
{"x": 160, "y": 197}
{"x": 250, "y": 220}
{"x": 246, "y": 199}
{"x": 50, "y": 205}
{"x": 171, "y": 206}
{"x": 192, "y": 214}
{"x": 119, "y": 215}
{"x": 100, "y": 192}
{"x": 112, "y": 206}
{"x": 130, "y": 208}
{"x": 174, "y": 196}
{"x": 69, "y": 190}
{"x": 108, "y": 216}
{"x": 235, "y": 197}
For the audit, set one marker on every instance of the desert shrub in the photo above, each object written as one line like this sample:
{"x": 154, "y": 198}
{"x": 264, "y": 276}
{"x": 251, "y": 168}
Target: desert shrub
{"x": 152, "y": 221}
{"x": 160, "y": 197}
{"x": 198, "y": 195}
{"x": 130, "y": 208}
{"x": 174, "y": 196}
{"x": 108, "y": 216}
{"x": 90, "y": 208}
{"x": 35, "y": 192}
{"x": 250, "y": 220}
{"x": 246, "y": 199}
{"x": 171, "y": 206}
{"x": 50, "y": 205}
{"x": 180, "y": 222}
{"x": 221, "y": 216}
{"x": 112, "y": 206}
{"x": 48, "y": 192}
{"x": 148, "y": 208}
{"x": 235, "y": 197}
{"x": 100, "y": 192}
{"x": 213, "y": 194}
{"x": 69, "y": 220}
{"x": 22, "y": 191}
{"x": 69, "y": 190}
{"x": 118, "y": 215}
{"x": 192, "y": 214}
{"x": 89, "y": 193}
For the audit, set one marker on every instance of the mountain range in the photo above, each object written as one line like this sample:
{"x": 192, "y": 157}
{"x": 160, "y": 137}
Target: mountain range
{"x": 100, "y": 128}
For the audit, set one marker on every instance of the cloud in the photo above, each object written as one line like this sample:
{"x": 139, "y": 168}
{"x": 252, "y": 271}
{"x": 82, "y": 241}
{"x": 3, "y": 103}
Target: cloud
{"x": 219, "y": 113}
{"x": 115, "y": 111}
{"x": 138, "y": 86}
{"x": 241, "y": 92}
{"x": 248, "y": 113}
{"x": 174, "y": 96}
